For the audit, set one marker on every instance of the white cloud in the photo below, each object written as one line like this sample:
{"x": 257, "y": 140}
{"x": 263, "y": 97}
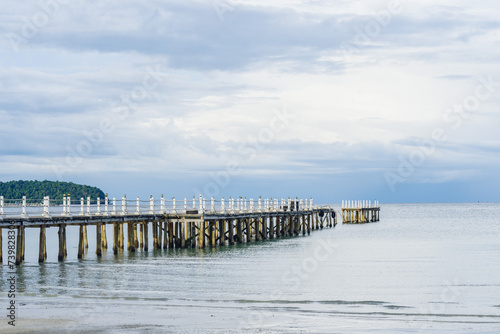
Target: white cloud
{"x": 223, "y": 80}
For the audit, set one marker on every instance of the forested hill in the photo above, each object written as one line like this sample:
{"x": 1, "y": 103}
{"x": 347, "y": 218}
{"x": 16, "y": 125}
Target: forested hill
{"x": 53, "y": 189}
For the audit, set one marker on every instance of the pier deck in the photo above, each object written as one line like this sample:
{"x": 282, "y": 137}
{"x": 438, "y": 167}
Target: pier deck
{"x": 193, "y": 225}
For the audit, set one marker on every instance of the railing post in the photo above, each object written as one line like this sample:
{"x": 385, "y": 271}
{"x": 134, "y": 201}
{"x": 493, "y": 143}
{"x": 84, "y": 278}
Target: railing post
{"x": 64, "y": 206}
{"x": 46, "y": 206}
{"x": 152, "y": 204}
{"x": 24, "y": 207}
{"x": 114, "y": 206}
{"x": 289, "y": 204}
{"x": 81, "y": 206}
{"x": 124, "y": 205}
{"x": 185, "y": 204}
{"x": 204, "y": 206}
{"x": 194, "y": 202}
{"x": 162, "y": 205}
{"x": 173, "y": 205}
{"x": 138, "y": 206}
{"x": 68, "y": 203}
{"x": 98, "y": 205}
{"x": 260, "y": 204}
{"x": 311, "y": 204}
{"x": 245, "y": 206}
{"x": 222, "y": 205}
{"x": 201, "y": 203}
{"x": 251, "y": 204}
{"x": 1, "y": 207}
{"x": 212, "y": 204}
{"x": 106, "y": 205}
{"x": 88, "y": 205}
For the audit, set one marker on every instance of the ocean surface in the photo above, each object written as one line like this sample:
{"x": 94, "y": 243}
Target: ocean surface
{"x": 432, "y": 268}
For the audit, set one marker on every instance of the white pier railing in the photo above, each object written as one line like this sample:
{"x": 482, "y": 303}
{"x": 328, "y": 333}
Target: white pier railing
{"x": 24, "y": 208}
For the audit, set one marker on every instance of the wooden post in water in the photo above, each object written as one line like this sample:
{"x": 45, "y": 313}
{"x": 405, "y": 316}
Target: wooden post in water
{"x": 154, "y": 229}
{"x": 200, "y": 236}
{"x": 256, "y": 222}
{"x": 182, "y": 234}
{"x": 248, "y": 229}
{"x": 104, "y": 238}
{"x": 165, "y": 234}
{"x": 141, "y": 236}
{"x": 42, "y": 245}
{"x": 160, "y": 234}
{"x": 204, "y": 232}
{"x": 85, "y": 240}
{"x": 81, "y": 245}
{"x": 98, "y": 243}
{"x": 170, "y": 234}
{"x": 230, "y": 232}
{"x": 19, "y": 246}
{"x": 239, "y": 232}
{"x": 116, "y": 229}
{"x": 136, "y": 240}
{"x": 119, "y": 226}
{"x": 131, "y": 240}
{"x": 146, "y": 236}
{"x": 61, "y": 255}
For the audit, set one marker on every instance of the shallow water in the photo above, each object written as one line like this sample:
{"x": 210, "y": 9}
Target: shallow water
{"x": 423, "y": 267}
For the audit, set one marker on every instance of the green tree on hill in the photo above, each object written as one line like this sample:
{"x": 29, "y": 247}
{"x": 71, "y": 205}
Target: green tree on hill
{"x": 37, "y": 190}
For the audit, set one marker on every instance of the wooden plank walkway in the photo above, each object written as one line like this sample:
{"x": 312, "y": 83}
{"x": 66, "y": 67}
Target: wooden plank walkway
{"x": 190, "y": 225}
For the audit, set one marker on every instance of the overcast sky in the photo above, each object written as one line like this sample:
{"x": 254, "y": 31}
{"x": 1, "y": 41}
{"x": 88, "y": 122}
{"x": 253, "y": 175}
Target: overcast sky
{"x": 393, "y": 100}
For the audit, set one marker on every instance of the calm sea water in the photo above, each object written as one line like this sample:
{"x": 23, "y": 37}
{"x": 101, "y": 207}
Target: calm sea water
{"x": 423, "y": 268}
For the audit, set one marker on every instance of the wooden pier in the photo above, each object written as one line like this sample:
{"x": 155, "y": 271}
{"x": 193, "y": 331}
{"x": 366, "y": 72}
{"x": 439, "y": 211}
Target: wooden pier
{"x": 189, "y": 225}
{"x": 358, "y": 212}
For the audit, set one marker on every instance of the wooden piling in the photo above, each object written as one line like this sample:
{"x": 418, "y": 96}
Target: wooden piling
{"x": 141, "y": 236}
{"x": 239, "y": 232}
{"x": 256, "y": 223}
{"x": 98, "y": 243}
{"x": 146, "y": 236}
{"x": 116, "y": 230}
{"x": 182, "y": 234}
{"x": 230, "y": 229}
{"x": 154, "y": 229}
{"x": 222, "y": 232}
{"x": 160, "y": 234}
{"x": 42, "y": 247}
{"x": 85, "y": 239}
{"x": 136, "y": 240}
{"x": 81, "y": 243}
{"x": 1, "y": 256}
{"x": 19, "y": 246}
{"x": 131, "y": 240}
{"x": 61, "y": 234}
{"x": 104, "y": 237}
{"x": 165, "y": 235}
{"x": 200, "y": 235}
{"x": 170, "y": 234}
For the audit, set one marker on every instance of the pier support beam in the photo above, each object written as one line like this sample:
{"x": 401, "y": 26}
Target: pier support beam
{"x": 104, "y": 238}
{"x": 146, "y": 236}
{"x": 42, "y": 252}
{"x": 81, "y": 243}
{"x": 165, "y": 235}
{"x": 116, "y": 233}
{"x": 62, "y": 243}
{"x": 230, "y": 232}
{"x": 19, "y": 245}
{"x": 130, "y": 241}
{"x": 239, "y": 232}
{"x": 85, "y": 239}
{"x": 98, "y": 243}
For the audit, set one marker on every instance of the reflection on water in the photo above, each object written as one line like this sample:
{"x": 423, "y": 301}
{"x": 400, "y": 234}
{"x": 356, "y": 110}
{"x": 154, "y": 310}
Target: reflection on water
{"x": 435, "y": 264}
